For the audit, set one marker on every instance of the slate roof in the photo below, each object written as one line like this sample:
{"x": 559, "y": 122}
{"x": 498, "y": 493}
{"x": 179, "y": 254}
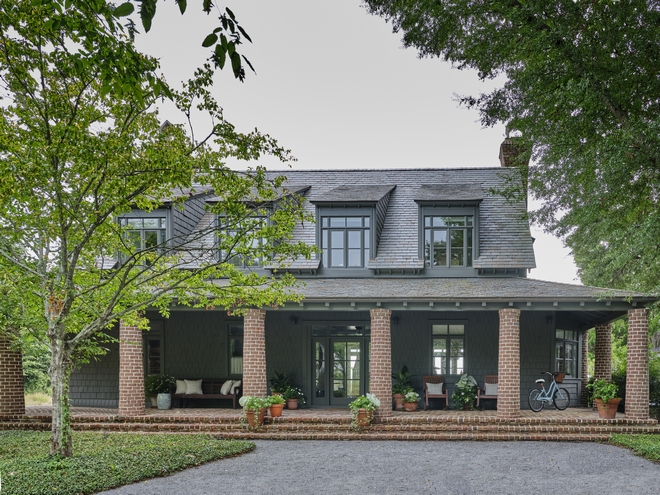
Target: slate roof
{"x": 453, "y": 289}
{"x": 353, "y": 194}
{"x": 504, "y": 237}
{"x": 449, "y": 192}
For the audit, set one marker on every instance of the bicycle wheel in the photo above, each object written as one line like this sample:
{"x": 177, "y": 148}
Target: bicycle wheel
{"x": 534, "y": 403}
{"x": 561, "y": 398}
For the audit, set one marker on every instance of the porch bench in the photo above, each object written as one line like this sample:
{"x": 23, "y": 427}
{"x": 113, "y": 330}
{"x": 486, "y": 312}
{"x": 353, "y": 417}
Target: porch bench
{"x": 211, "y": 391}
{"x": 488, "y": 380}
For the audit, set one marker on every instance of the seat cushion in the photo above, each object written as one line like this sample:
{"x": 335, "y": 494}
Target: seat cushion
{"x": 434, "y": 388}
{"x": 491, "y": 388}
{"x": 180, "y": 387}
{"x": 224, "y": 390}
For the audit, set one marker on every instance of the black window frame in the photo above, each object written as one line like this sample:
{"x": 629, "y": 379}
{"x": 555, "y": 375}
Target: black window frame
{"x": 568, "y": 339}
{"x": 469, "y": 253}
{"x": 127, "y": 222}
{"x": 448, "y": 337}
{"x": 367, "y": 229}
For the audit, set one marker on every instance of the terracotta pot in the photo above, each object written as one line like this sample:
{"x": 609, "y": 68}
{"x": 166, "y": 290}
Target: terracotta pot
{"x": 410, "y": 406}
{"x": 292, "y": 403}
{"x": 257, "y": 420}
{"x": 276, "y": 410}
{"x": 607, "y": 410}
{"x": 363, "y": 417}
{"x": 398, "y": 402}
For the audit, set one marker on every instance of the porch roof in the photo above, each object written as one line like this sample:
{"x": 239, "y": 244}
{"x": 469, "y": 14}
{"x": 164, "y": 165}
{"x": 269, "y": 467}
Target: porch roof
{"x": 587, "y": 305}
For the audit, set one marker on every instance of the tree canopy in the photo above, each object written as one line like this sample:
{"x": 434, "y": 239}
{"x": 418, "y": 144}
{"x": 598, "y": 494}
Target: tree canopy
{"x": 77, "y": 154}
{"x": 583, "y": 89}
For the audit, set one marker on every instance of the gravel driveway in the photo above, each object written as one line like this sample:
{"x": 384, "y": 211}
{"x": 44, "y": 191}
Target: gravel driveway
{"x": 374, "y": 467}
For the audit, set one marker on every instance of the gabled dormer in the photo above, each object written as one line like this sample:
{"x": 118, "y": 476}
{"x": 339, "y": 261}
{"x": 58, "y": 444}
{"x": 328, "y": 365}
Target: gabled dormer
{"x": 349, "y": 222}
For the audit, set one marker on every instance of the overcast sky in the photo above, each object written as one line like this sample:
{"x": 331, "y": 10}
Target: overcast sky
{"x": 334, "y": 85}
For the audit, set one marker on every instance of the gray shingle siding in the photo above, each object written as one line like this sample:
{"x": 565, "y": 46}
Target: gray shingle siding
{"x": 186, "y": 218}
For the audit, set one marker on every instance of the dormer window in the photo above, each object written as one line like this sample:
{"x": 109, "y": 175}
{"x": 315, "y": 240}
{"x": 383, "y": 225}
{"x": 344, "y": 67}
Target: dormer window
{"x": 449, "y": 225}
{"x": 448, "y": 241}
{"x": 241, "y": 245}
{"x": 146, "y": 232}
{"x": 345, "y": 241}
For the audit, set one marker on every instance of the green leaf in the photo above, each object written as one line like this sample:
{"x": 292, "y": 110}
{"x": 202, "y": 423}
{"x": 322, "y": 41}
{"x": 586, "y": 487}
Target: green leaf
{"x": 231, "y": 14}
{"x": 210, "y": 40}
{"x": 220, "y": 55}
{"x": 244, "y": 33}
{"x": 124, "y": 9}
{"x": 249, "y": 64}
{"x": 182, "y": 5}
{"x": 207, "y": 5}
{"x": 147, "y": 13}
{"x": 236, "y": 64}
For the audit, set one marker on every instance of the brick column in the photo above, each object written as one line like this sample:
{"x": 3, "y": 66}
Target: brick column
{"x": 603, "y": 351}
{"x": 380, "y": 361}
{"x": 131, "y": 371}
{"x": 508, "y": 391}
{"x": 254, "y": 353}
{"x": 584, "y": 369}
{"x": 637, "y": 375}
{"x": 12, "y": 391}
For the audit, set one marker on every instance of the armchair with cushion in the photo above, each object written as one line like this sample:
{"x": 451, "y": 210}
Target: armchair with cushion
{"x": 435, "y": 388}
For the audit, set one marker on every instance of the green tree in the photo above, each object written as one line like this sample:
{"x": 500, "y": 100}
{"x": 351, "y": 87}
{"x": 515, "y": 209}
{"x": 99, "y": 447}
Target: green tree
{"x": 582, "y": 87}
{"x": 75, "y": 155}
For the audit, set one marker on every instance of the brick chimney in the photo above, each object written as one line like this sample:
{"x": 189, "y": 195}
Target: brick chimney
{"x": 510, "y": 149}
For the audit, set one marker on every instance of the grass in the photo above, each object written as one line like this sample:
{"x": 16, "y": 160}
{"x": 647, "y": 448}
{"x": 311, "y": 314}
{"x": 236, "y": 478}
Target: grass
{"x": 38, "y": 399}
{"x": 102, "y": 461}
{"x": 647, "y": 446}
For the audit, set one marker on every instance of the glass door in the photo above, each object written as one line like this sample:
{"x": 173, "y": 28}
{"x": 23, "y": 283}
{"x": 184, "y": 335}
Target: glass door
{"x": 346, "y": 371}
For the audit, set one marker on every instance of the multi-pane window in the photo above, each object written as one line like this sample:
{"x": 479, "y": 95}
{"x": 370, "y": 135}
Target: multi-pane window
{"x": 345, "y": 241}
{"x": 566, "y": 352}
{"x": 448, "y": 240}
{"x": 448, "y": 348}
{"x": 145, "y": 232}
{"x": 240, "y": 254}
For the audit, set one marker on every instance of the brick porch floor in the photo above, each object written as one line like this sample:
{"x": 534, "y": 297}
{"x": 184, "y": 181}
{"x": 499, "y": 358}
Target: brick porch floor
{"x": 573, "y": 424}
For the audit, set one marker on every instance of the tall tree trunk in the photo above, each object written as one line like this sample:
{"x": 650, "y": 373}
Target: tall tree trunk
{"x": 60, "y": 372}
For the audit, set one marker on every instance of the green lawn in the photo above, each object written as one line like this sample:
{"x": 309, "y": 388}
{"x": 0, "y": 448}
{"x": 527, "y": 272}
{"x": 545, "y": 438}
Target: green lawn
{"x": 102, "y": 461}
{"x": 647, "y": 446}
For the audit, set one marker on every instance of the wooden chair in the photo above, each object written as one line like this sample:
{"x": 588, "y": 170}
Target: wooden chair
{"x": 434, "y": 379}
{"x": 481, "y": 393}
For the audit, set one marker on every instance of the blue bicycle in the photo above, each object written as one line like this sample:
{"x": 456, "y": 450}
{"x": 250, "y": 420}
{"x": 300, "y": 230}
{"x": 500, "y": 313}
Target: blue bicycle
{"x": 559, "y": 396}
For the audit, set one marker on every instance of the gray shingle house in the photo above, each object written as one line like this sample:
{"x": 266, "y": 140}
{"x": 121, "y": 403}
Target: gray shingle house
{"x": 427, "y": 268}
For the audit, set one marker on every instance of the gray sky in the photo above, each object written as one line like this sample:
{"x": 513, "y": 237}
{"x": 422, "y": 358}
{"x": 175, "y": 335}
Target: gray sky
{"x": 334, "y": 85}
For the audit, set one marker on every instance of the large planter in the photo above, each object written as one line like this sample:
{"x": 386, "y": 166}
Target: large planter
{"x": 410, "y": 406}
{"x": 153, "y": 401}
{"x": 164, "y": 401}
{"x": 292, "y": 403}
{"x": 253, "y": 419}
{"x": 276, "y": 410}
{"x": 363, "y": 418}
{"x": 467, "y": 407}
{"x": 398, "y": 402}
{"x": 607, "y": 410}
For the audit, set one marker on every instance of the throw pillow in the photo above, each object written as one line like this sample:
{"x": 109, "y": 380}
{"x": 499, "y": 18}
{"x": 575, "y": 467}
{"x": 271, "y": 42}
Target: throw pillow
{"x": 234, "y": 386}
{"x": 224, "y": 390}
{"x": 194, "y": 387}
{"x": 434, "y": 388}
{"x": 491, "y": 389}
{"x": 180, "y": 387}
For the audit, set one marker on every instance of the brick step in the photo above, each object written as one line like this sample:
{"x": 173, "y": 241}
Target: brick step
{"x": 369, "y": 435}
{"x": 548, "y": 428}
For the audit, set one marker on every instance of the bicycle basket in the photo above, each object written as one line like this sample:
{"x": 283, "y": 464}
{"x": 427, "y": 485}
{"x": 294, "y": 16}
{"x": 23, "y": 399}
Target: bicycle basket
{"x": 559, "y": 377}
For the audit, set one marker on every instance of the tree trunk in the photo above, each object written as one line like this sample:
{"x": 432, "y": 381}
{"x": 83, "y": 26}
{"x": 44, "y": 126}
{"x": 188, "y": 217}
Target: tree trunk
{"x": 60, "y": 372}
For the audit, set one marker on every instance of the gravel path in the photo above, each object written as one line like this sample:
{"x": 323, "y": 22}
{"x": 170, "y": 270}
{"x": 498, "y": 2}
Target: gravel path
{"x": 375, "y": 467}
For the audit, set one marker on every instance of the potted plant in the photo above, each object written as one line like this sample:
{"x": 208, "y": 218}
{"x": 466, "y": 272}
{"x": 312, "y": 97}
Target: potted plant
{"x": 411, "y": 401}
{"x": 276, "y": 405}
{"x": 605, "y": 396}
{"x": 254, "y": 410}
{"x": 156, "y": 386}
{"x": 280, "y": 382}
{"x": 362, "y": 410}
{"x": 294, "y": 397}
{"x": 465, "y": 394}
{"x": 401, "y": 386}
